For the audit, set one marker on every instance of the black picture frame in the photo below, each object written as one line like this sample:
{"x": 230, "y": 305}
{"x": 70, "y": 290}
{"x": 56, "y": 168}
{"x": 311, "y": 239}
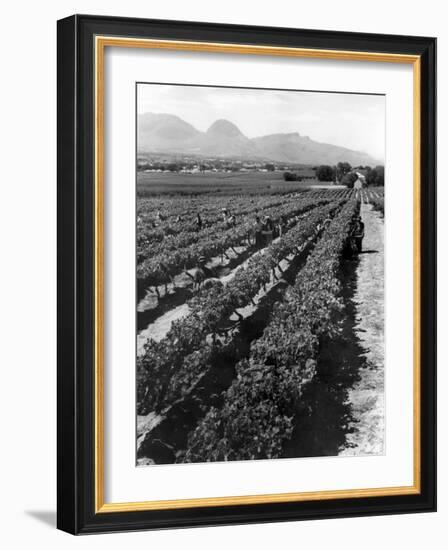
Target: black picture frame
{"x": 76, "y": 224}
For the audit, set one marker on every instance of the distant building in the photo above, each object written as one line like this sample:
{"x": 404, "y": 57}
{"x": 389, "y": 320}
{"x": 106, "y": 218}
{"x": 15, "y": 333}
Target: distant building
{"x": 360, "y": 181}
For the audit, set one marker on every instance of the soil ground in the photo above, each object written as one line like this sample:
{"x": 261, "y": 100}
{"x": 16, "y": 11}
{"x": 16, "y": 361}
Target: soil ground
{"x": 367, "y": 395}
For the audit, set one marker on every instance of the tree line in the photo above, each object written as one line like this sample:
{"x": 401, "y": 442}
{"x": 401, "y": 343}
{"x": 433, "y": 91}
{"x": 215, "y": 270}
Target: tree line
{"x": 345, "y": 174}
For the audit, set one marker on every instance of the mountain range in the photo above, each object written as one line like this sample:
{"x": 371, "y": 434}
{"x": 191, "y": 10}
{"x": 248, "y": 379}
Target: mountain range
{"x": 169, "y": 134}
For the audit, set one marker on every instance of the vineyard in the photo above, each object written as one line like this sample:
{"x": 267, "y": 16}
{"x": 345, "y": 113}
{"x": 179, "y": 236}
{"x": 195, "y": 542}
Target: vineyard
{"x": 234, "y": 321}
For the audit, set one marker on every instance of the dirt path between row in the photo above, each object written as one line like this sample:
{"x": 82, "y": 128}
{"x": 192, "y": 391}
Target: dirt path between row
{"x": 161, "y": 326}
{"x": 366, "y": 397}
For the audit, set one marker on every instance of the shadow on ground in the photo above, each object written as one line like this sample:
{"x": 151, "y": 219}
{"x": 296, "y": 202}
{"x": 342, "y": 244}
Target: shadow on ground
{"x": 48, "y": 517}
{"x": 325, "y": 416}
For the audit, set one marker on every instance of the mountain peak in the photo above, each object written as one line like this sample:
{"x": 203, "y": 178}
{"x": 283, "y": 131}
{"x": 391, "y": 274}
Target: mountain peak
{"x": 159, "y": 118}
{"x": 223, "y": 127}
{"x": 164, "y": 126}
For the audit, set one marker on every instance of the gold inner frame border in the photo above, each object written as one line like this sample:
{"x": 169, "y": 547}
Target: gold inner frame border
{"x": 100, "y": 44}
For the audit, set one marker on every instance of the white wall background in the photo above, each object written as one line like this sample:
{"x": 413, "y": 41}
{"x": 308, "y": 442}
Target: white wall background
{"x": 28, "y": 271}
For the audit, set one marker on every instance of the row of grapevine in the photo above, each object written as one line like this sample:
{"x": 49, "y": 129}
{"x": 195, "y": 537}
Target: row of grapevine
{"x": 209, "y": 209}
{"x": 158, "y": 269}
{"x": 149, "y": 235}
{"x": 171, "y": 207}
{"x": 154, "y": 228}
{"x": 257, "y": 416}
{"x": 161, "y": 369}
{"x": 187, "y": 234}
{"x": 378, "y": 203}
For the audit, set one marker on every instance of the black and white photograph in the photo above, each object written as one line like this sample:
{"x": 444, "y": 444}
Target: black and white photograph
{"x": 260, "y": 274}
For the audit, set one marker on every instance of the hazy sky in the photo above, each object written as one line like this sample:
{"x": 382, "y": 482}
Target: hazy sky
{"x": 350, "y": 120}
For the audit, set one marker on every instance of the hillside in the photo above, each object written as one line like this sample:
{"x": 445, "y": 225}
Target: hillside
{"x": 165, "y": 133}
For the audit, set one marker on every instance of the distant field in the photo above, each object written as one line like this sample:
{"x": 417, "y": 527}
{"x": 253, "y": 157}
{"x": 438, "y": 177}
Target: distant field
{"x": 171, "y": 183}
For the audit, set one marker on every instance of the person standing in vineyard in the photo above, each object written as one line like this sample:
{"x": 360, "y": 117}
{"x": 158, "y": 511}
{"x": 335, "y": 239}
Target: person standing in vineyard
{"x": 358, "y": 233}
{"x": 258, "y": 229}
{"x": 267, "y": 230}
{"x": 231, "y": 221}
{"x": 198, "y": 221}
{"x": 282, "y": 225}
